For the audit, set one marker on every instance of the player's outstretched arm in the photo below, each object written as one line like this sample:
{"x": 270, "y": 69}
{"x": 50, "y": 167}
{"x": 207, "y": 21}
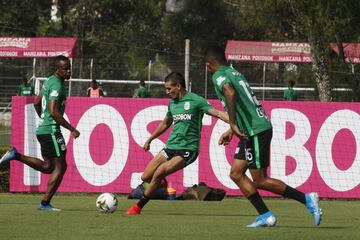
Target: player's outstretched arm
{"x": 218, "y": 114}
{"x": 160, "y": 129}
{"x": 53, "y": 110}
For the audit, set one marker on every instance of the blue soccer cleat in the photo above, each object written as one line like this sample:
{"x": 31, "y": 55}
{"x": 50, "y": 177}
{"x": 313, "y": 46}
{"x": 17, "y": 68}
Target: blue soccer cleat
{"x": 48, "y": 207}
{"x": 267, "y": 219}
{"x": 312, "y": 205}
{"x": 10, "y": 155}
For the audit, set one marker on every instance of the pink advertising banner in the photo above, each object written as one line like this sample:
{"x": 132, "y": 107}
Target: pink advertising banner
{"x": 351, "y": 51}
{"x": 250, "y": 51}
{"x": 27, "y": 47}
{"x": 315, "y": 147}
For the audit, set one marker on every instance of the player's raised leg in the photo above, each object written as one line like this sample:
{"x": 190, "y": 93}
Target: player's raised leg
{"x": 165, "y": 169}
{"x": 11, "y": 154}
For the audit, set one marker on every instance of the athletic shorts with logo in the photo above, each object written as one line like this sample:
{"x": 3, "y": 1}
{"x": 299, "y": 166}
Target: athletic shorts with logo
{"x": 52, "y": 145}
{"x": 188, "y": 156}
{"x": 256, "y": 151}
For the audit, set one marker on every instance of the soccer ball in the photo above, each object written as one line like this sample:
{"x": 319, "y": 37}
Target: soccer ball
{"x": 106, "y": 203}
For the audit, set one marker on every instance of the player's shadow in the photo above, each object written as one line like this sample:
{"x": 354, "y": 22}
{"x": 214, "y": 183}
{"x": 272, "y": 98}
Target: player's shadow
{"x": 311, "y": 227}
{"x": 16, "y": 203}
{"x": 202, "y": 214}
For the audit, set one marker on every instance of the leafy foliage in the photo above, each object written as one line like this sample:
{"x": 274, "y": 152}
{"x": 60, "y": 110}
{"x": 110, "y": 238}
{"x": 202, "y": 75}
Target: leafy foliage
{"x": 123, "y": 36}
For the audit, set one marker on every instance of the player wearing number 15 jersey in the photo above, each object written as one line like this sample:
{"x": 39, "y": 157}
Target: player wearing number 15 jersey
{"x": 248, "y": 121}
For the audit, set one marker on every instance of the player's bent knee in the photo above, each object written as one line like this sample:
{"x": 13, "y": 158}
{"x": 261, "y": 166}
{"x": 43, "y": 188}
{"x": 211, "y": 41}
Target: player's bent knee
{"x": 235, "y": 176}
{"x": 48, "y": 168}
{"x": 145, "y": 178}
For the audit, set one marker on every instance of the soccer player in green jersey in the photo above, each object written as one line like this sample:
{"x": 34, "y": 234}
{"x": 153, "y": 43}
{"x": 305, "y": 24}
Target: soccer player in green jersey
{"x": 248, "y": 121}
{"x": 50, "y": 106}
{"x": 25, "y": 89}
{"x": 141, "y": 91}
{"x": 290, "y": 93}
{"x": 185, "y": 112}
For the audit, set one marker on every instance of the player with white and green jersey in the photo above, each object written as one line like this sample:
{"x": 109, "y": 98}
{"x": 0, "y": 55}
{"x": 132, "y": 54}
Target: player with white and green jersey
{"x": 248, "y": 121}
{"x": 50, "y": 106}
{"x": 185, "y": 113}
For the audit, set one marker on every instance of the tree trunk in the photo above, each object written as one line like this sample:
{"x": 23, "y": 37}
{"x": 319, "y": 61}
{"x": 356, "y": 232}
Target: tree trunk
{"x": 319, "y": 69}
{"x": 340, "y": 46}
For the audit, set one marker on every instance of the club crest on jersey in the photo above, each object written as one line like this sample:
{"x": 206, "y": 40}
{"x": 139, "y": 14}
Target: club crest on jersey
{"x": 186, "y": 105}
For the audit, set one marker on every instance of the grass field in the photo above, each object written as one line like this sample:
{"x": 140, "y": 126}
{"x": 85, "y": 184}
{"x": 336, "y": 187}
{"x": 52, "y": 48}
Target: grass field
{"x": 188, "y": 220}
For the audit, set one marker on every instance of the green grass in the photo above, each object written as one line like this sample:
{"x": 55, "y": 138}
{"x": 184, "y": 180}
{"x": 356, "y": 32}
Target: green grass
{"x": 173, "y": 220}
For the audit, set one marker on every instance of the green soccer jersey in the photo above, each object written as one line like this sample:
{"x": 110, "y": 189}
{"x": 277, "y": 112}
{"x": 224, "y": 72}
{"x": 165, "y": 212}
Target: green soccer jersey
{"x": 250, "y": 116}
{"x": 141, "y": 92}
{"x": 53, "y": 89}
{"x": 26, "y": 90}
{"x": 186, "y": 114}
{"x": 290, "y": 94}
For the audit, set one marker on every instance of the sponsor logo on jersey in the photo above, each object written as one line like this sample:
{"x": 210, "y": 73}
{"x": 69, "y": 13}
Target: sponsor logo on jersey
{"x": 186, "y": 105}
{"x": 183, "y": 116}
{"x": 54, "y": 93}
{"x": 220, "y": 79}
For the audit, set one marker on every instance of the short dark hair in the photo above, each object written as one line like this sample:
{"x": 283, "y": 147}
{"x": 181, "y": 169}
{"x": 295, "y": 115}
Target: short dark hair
{"x": 291, "y": 83}
{"x": 215, "y": 54}
{"x": 176, "y": 78}
{"x": 142, "y": 82}
{"x": 58, "y": 59}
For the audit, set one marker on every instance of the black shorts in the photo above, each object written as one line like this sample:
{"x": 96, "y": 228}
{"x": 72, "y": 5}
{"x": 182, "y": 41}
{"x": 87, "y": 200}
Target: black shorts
{"x": 188, "y": 156}
{"x": 256, "y": 151}
{"x": 52, "y": 145}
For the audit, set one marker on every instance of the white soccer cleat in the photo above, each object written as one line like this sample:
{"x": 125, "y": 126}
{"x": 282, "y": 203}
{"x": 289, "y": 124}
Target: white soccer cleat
{"x": 312, "y": 204}
{"x": 267, "y": 219}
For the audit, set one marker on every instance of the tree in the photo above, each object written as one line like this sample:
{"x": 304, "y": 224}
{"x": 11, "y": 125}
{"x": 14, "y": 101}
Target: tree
{"x": 324, "y": 22}
{"x": 20, "y": 20}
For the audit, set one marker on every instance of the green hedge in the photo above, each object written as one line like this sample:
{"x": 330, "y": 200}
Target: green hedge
{"x": 4, "y": 172}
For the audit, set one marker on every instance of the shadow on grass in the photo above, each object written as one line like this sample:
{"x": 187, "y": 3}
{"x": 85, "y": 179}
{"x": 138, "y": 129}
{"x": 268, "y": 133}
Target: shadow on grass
{"x": 199, "y": 214}
{"x": 313, "y": 227}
